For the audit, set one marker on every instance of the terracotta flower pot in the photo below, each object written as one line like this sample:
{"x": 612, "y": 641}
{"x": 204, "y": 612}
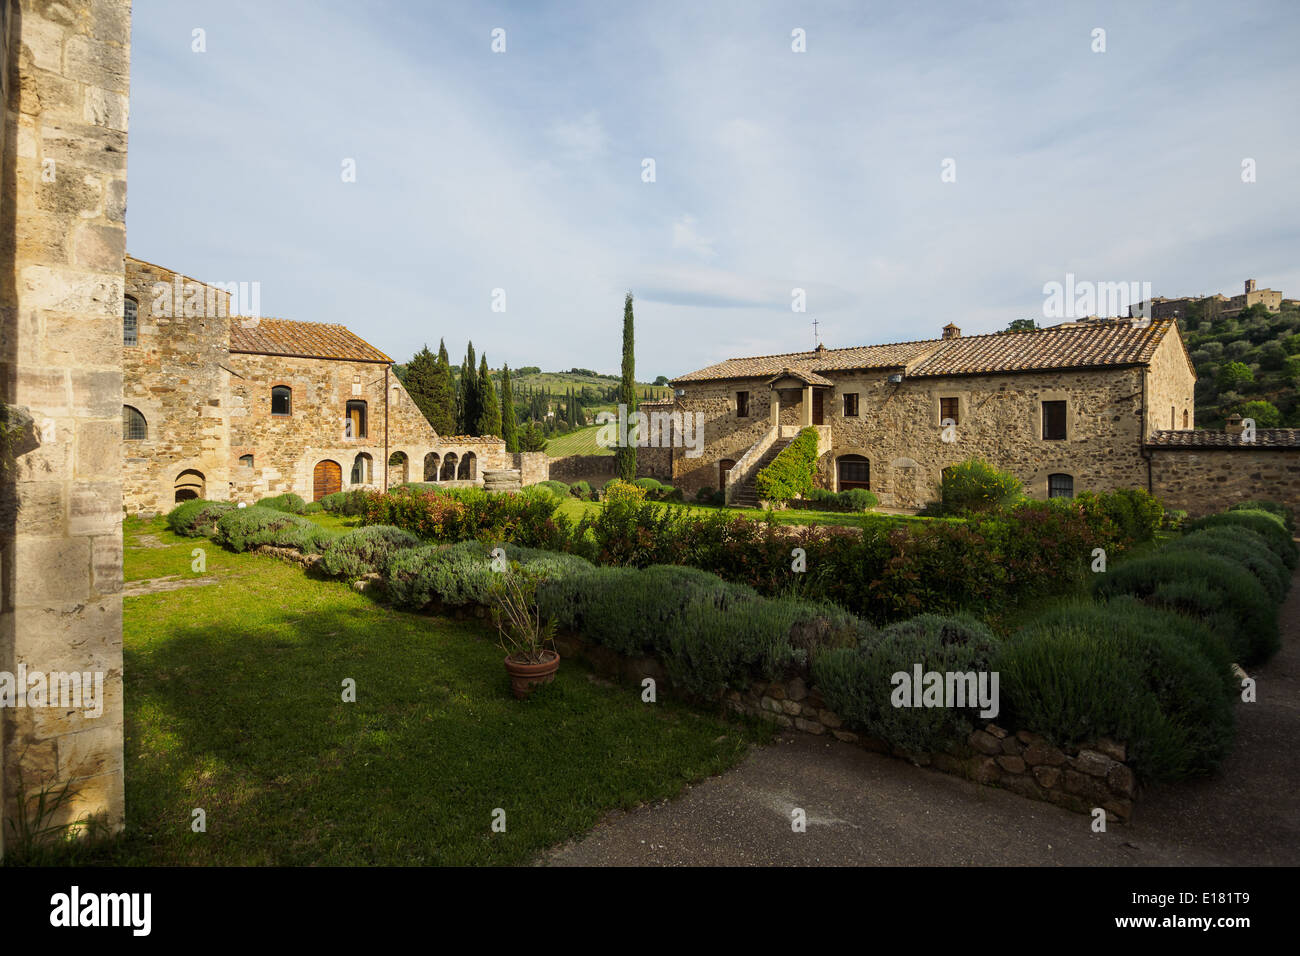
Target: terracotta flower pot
{"x": 524, "y": 677}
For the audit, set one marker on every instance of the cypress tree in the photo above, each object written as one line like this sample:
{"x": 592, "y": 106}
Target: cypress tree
{"x": 419, "y": 381}
{"x": 509, "y": 428}
{"x": 469, "y": 398}
{"x": 489, "y": 418}
{"x": 442, "y": 414}
{"x": 625, "y": 456}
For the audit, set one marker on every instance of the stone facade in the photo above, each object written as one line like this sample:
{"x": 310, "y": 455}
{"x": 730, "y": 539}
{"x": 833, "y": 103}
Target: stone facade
{"x": 62, "y": 243}
{"x": 1203, "y": 480}
{"x": 202, "y": 381}
{"x": 898, "y": 430}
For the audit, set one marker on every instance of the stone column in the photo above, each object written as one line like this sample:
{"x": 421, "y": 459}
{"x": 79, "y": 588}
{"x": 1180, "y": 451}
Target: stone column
{"x": 805, "y": 417}
{"x": 776, "y": 408}
{"x": 62, "y": 243}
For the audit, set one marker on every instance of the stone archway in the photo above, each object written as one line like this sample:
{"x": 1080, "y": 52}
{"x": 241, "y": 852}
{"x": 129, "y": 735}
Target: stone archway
{"x": 189, "y": 484}
{"x": 398, "y": 468}
{"x": 448, "y": 472}
{"x": 432, "y": 461}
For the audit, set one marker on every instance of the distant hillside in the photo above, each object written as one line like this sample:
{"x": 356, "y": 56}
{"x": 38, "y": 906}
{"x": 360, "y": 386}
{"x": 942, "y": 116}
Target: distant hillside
{"x": 580, "y": 442}
{"x": 1247, "y": 364}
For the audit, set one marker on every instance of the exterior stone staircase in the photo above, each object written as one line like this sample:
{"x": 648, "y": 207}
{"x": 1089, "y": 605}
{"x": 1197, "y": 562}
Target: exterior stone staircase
{"x": 745, "y": 495}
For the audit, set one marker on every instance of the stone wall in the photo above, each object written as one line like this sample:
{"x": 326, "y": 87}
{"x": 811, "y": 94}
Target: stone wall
{"x": 174, "y": 377}
{"x": 62, "y": 245}
{"x": 898, "y": 429}
{"x": 1205, "y": 480}
{"x": 1077, "y": 778}
{"x": 534, "y": 466}
{"x": 594, "y": 469}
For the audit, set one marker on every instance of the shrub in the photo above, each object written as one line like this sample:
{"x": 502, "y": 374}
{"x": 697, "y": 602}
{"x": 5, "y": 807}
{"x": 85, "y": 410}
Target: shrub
{"x": 790, "y": 473}
{"x": 557, "y": 488}
{"x": 581, "y": 490}
{"x": 364, "y": 550}
{"x": 1152, "y": 678}
{"x": 313, "y": 508}
{"x": 1246, "y": 548}
{"x": 860, "y": 684}
{"x": 1272, "y": 507}
{"x": 1265, "y": 523}
{"x": 855, "y": 499}
{"x": 975, "y": 485}
{"x": 621, "y": 493}
{"x": 347, "y": 503}
{"x": 1136, "y": 513}
{"x": 242, "y": 529}
{"x": 525, "y": 517}
{"x": 286, "y": 502}
{"x": 196, "y": 518}
{"x": 1222, "y": 593}
{"x": 647, "y": 484}
{"x": 669, "y": 493}
{"x": 705, "y": 495}
{"x": 457, "y": 575}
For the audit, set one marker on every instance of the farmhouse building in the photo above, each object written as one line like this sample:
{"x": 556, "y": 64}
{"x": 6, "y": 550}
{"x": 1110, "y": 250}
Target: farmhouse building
{"x": 238, "y": 408}
{"x": 1065, "y": 409}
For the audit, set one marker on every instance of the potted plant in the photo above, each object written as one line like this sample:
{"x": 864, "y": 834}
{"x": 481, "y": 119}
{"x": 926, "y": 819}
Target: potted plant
{"x": 531, "y": 658}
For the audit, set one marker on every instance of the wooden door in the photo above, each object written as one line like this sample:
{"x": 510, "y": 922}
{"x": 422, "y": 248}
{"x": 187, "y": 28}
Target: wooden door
{"x": 819, "y": 396}
{"x": 326, "y": 479}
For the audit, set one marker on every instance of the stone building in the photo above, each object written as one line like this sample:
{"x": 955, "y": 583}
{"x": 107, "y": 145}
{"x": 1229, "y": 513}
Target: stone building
{"x": 1065, "y": 409}
{"x": 65, "y": 70}
{"x": 1212, "y": 306}
{"x": 235, "y": 408}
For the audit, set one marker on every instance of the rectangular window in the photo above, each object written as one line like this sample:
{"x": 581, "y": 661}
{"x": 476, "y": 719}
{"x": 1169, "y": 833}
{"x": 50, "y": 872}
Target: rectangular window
{"x": 851, "y": 405}
{"x": 742, "y": 404}
{"x": 948, "y": 410}
{"x": 1054, "y": 421}
{"x": 1060, "y": 486}
{"x": 281, "y": 400}
{"x": 356, "y": 420}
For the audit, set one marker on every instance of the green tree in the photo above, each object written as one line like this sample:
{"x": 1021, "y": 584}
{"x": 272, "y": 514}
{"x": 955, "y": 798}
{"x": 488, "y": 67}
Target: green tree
{"x": 1264, "y": 413}
{"x": 530, "y": 439}
{"x": 509, "y": 427}
{"x": 661, "y": 380}
{"x": 489, "y": 417}
{"x": 419, "y": 381}
{"x": 1017, "y": 325}
{"x": 1232, "y": 375}
{"x": 467, "y": 408}
{"x": 625, "y": 456}
{"x": 443, "y": 415}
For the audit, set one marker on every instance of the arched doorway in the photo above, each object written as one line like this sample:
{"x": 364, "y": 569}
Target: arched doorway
{"x": 853, "y": 471}
{"x": 468, "y": 469}
{"x": 724, "y": 466}
{"x": 449, "y": 466}
{"x": 190, "y": 484}
{"x": 326, "y": 478}
{"x": 362, "y": 469}
{"x": 431, "y": 463}
{"x": 397, "y": 468}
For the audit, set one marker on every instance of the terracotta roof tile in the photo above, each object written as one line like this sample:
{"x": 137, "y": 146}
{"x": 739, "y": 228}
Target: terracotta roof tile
{"x": 1085, "y": 345}
{"x": 1205, "y": 438}
{"x": 304, "y": 339}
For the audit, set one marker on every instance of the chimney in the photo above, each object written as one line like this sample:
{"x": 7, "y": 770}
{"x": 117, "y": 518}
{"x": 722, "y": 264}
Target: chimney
{"x": 821, "y": 347}
{"x": 951, "y": 331}
{"x": 1250, "y": 285}
{"x": 1233, "y": 425}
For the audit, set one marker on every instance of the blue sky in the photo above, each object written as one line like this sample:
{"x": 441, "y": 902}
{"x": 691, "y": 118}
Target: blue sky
{"x": 775, "y": 170}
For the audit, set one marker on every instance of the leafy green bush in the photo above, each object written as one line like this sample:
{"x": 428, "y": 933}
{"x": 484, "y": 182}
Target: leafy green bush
{"x": 1218, "y": 591}
{"x": 196, "y": 518}
{"x": 860, "y": 683}
{"x": 1152, "y": 678}
{"x": 286, "y": 502}
{"x": 581, "y": 490}
{"x": 457, "y": 575}
{"x": 854, "y": 499}
{"x": 975, "y": 485}
{"x": 526, "y": 517}
{"x": 1272, "y": 507}
{"x": 705, "y": 495}
{"x": 1270, "y": 526}
{"x": 669, "y": 493}
{"x": 557, "y": 488}
{"x": 364, "y": 550}
{"x": 346, "y": 503}
{"x": 1245, "y": 547}
{"x": 1136, "y": 513}
{"x": 790, "y": 474}
{"x": 647, "y": 484}
{"x": 242, "y": 529}
{"x": 313, "y": 508}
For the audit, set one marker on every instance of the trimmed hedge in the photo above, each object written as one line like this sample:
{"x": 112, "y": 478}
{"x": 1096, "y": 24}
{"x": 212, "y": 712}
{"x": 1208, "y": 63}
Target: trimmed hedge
{"x": 462, "y": 574}
{"x": 196, "y": 518}
{"x": 1270, "y": 526}
{"x": 364, "y": 550}
{"x": 858, "y": 684}
{"x": 1247, "y": 548}
{"x": 557, "y": 488}
{"x": 1272, "y": 507}
{"x": 1154, "y": 679}
{"x": 854, "y": 499}
{"x": 288, "y": 501}
{"x": 1218, "y": 591}
{"x": 242, "y": 529}
{"x": 790, "y": 474}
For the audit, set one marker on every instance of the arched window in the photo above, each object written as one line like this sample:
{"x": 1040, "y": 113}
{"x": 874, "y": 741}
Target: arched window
{"x": 356, "y": 421}
{"x": 130, "y": 321}
{"x": 134, "y": 427}
{"x": 468, "y": 469}
{"x": 1060, "y": 486}
{"x": 246, "y": 461}
{"x": 281, "y": 400}
{"x": 431, "y": 463}
{"x": 1184, "y": 418}
{"x": 362, "y": 469}
{"x": 189, "y": 485}
{"x": 854, "y": 472}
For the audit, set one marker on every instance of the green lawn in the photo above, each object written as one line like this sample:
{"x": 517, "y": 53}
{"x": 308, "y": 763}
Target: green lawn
{"x": 234, "y": 705}
{"x": 579, "y": 442}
